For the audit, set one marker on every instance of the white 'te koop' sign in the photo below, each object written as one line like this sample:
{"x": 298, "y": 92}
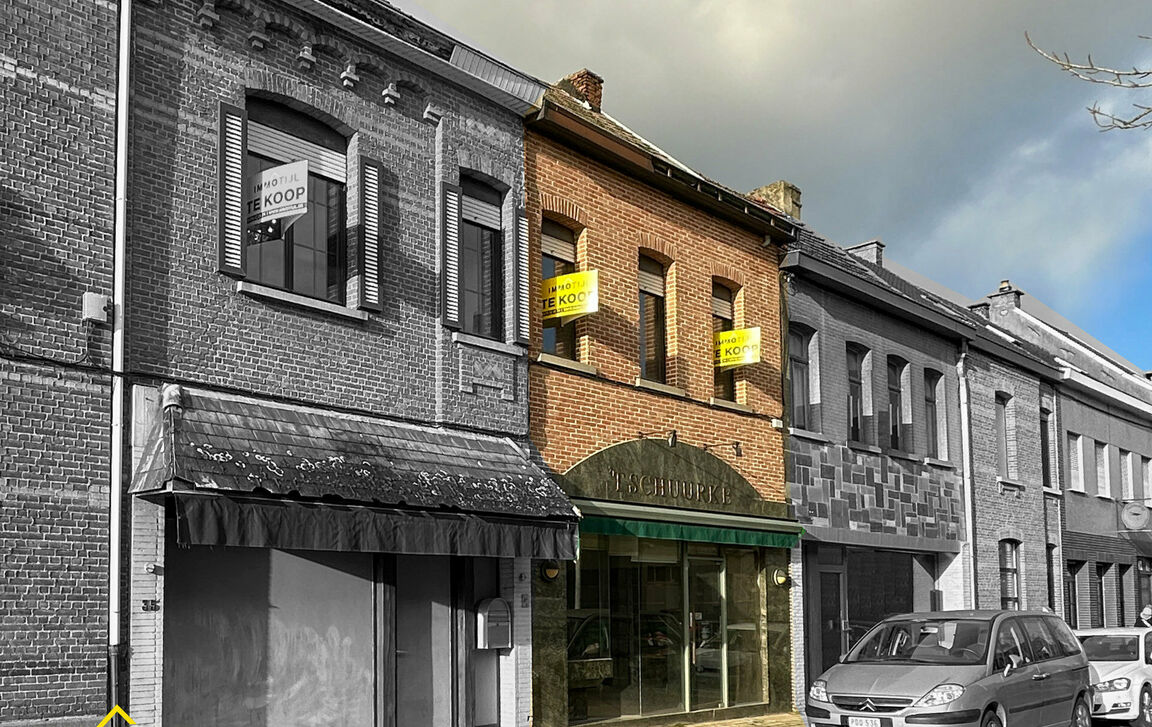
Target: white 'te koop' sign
{"x": 279, "y": 193}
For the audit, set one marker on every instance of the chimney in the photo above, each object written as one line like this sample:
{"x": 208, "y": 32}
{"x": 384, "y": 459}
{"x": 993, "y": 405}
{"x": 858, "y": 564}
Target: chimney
{"x": 872, "y": 251}
{"x": 586, "y": 86}
{"x": 782, "y": 195}
{"x": 1006, "y": 296}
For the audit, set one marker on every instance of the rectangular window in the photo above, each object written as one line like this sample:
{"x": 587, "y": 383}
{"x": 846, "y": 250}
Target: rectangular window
{"x": 1002, "y": 436}
{"x": 1050, "y": 568}
{"x": 1103, "y": 471}
{"x": 798, "y": 373}
{"x": 855, "y": 393}
{"x": 1146, "y": 478}
{"x": 1010, "y": 575}
{"x": 932, "y": 414}
{"x": 1075, "y": 462}
{"x": 1121, "y": 610}
{"x": 723, "y": 382}
{"x": 558, "y": 257}
{"x": 653, "y": 343}
{"x": 1045, "y": 448}
{"x": 1098, "y": 603}
{"x": 895, "y": 400}
{"x": 1126, "y": 475}
{"x": 1071, "y": 594}
{"x": 481, "y": 261}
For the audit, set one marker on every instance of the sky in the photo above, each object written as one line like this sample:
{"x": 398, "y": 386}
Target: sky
{"x": 928, "y": 124}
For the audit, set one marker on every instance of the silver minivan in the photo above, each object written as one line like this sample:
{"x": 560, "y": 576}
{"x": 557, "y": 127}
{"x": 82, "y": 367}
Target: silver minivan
{"x": 973, "y": 668}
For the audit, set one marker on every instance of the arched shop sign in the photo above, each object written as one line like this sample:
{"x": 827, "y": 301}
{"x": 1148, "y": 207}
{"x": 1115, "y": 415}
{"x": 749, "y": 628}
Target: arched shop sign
{"x": 652, "y": 472}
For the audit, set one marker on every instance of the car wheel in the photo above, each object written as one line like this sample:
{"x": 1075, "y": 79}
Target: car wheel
{"x": 991, "y": 719}
{"x": 1144, "y": 718}
{"x": 1081, "y": 714}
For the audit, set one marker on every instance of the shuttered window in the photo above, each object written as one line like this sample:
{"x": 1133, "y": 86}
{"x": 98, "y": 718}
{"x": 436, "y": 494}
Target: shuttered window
{"x": 557, "y": 257}
{"x": 653, "y": 341}
{"x": 450, "y": 249}
{"x": 723, "y": 382}
{"x": 233, "y": 126}
{"x": 480, "y": 254}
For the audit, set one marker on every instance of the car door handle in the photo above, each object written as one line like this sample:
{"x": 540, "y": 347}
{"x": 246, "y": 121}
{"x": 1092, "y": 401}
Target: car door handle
{"x": 1039, "y": 677}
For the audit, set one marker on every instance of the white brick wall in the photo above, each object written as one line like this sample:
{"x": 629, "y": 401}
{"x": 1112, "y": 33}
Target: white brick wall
{"x": 516, "y": 663}
{"x": 799, "y": 666}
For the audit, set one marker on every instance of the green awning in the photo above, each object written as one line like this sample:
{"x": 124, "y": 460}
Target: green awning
{"x": 598, "y": 525}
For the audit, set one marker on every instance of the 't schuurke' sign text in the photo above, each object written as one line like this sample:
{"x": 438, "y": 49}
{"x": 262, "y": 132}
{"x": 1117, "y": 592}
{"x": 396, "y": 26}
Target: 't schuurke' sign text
{"x": 631, "y": 483}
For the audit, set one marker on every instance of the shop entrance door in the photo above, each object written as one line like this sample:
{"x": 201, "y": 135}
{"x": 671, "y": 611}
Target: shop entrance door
{"x": 707, "y": 648}
{"x": 833, "y": 622}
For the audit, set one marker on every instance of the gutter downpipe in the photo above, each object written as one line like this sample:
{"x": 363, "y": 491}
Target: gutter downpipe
{"x": 969, "y": 487}
{"x": 119, "y": 294}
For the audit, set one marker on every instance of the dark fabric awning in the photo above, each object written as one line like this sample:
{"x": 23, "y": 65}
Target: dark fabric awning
{"x": 258, "y": 473}
{"x": 209, "y": 519}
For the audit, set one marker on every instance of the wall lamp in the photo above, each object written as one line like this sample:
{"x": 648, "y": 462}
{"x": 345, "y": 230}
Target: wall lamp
{"x": 736, "y": 450}
{"x": 671, "y": 435}
{"x": 780, "y": 578}
{"x": 550, "y": 570}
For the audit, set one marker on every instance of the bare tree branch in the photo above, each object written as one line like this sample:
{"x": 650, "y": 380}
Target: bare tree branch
{"x": 1111, "y": 122}
{"x": 1089, "y": 71}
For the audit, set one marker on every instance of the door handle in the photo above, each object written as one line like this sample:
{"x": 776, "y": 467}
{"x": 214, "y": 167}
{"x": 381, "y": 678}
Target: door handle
{"x": 1039, "y": 677}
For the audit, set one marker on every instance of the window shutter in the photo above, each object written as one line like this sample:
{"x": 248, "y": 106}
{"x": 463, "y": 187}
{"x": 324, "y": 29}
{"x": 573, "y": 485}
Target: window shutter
{"x": 371, "y": 245}
{"x": 523, "y": 284}
{"x": 450, "y": 263}
{"x": 233, "y": 142}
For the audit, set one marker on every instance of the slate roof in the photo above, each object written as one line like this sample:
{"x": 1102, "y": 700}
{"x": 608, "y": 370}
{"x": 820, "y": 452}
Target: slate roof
{"x": 236, "y": 445}
{"x": 813, "y": 245}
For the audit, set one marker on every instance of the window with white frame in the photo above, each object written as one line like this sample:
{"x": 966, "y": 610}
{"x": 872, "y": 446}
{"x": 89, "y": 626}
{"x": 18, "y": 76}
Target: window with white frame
{"x": 1127, "y": 475}
{"x": 1146, "y": 478}
{"x": 481, "y": 260}
{"x": 1075, "y": 462}
{"x": 1103, "y": 471}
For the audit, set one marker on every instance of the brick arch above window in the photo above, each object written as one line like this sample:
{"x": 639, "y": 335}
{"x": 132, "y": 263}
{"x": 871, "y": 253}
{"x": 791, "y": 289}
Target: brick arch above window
{"x": 487, "y": 168}
{"x": 730, "y": 276}
{"x": 564, "y": 209}
{"x": 657, "y": 248}
{"x": 322, "y": 105}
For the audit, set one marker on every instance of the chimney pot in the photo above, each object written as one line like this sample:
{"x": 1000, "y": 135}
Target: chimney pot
{"x": 782, "y": 195}
{"x": 1005, "y": 286}
{"x": 586, "y": 86}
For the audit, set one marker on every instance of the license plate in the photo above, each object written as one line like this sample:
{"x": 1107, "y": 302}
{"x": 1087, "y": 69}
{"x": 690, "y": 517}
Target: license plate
{"x": 863, "y": 722}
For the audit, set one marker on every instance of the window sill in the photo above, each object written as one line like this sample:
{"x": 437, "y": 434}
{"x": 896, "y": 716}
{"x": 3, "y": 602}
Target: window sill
{"x": 730, "y": 405}
{"x": 861, "y": 447}
{"x": 660, "y": 388}
{"x": 901, "y": 454}
{"x": 1054, "y": 491}
{"x": 560, "y": 362}
{"x": 1011, "y": 486}
{"x": 512, "y": 349}
{"x": 1103, "y": 497}
{"x": 942, "y": 464}
{"x": 809, "y": 434}
{"x": 262, "y": 291}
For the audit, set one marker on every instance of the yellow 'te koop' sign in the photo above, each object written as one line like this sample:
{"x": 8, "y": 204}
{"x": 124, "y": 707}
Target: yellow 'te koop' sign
{"x": 736, "y": 348}
{"x": 571, "y": 296}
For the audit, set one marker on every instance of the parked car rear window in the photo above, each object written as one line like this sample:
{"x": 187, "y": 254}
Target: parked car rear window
{"x": 1111, "y": 648}
{"x": 925, "y": 641}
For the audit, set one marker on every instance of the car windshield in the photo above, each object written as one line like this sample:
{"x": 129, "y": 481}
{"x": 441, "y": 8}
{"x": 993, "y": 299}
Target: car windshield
{"x": 1111, "y": 648}
{"x": 925, "y": 641}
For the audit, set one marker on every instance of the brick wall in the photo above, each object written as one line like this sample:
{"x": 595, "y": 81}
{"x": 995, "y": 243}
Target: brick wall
{"x": 187, "y": 320}
{"x": 57, "y": 84}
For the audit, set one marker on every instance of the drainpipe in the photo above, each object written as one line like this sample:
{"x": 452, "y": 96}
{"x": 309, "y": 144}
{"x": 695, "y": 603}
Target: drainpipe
{"x": 969, "y": 487}
{"x": 119, "y": 265}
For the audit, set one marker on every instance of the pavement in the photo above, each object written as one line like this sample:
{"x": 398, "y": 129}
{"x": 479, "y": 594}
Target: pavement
{"x": 791, "y": 719}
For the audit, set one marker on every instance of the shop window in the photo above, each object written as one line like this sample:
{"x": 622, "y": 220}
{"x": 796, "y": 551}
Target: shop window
{"x": 1046, "y": 448}
{"x": 306, "y": 256}
{"x": 481, "y": 260}
{"x": 857, "y": 357}
{"x": 653, "y": 341}
{"x": 1075, "y": 462}
{"x": 1103, "y": 471}
{"x": 935, "y": 425}
{"x": 1004, "y": 465}
{"x": 896, "y": 370}
{"x": 558, "y": 257}
{"x": 799, "y": 373}
{"x": 1010, "y": 574}
{"x": 723, "y": 319}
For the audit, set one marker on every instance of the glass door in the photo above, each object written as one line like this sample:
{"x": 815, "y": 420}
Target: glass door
{"x": 707, "y": 650}
{"x": 833, "y": 617}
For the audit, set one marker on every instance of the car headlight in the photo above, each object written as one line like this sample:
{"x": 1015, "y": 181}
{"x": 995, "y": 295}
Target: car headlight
{"x": 1115, "y": 685}
{"x": 941, "y": 695}
{"x": 819, "y": 691}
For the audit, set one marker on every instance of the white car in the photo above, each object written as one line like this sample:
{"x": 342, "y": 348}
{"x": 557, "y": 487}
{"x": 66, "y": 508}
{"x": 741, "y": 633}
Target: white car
{"x": 1121, "y": 673}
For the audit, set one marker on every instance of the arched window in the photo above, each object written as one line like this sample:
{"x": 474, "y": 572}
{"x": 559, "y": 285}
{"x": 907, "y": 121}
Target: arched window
{"x": 800, "y": 376}
{"x": 723, "y": 319}
{"x": 557, "y": 257}
{"x": 896, "y": 366}
{"x": 857, "y": 357}
{"x": 935, "y": 424}
{"x": 1003, "y": 428}
{"x": 305, "y": 251}
{"x": 653, "y": 340}
{"x": 1010, "y": 574}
